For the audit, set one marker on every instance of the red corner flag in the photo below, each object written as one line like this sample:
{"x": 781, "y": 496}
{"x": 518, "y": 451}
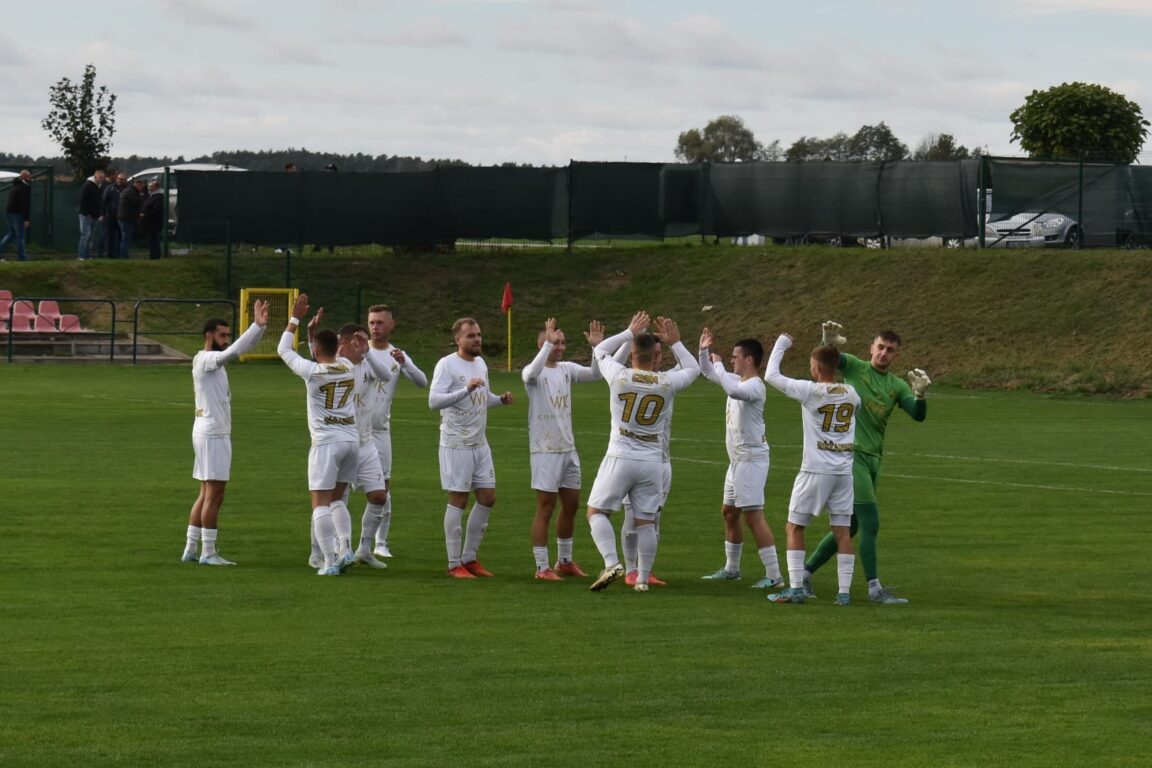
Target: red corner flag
{"x": 506, "y": 302}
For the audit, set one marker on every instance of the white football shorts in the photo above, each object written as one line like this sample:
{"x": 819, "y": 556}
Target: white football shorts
{"x": 641, "y": 481}
{"x": 553, "y": 471}
{"x": 465, "y": 469}
{"x": 744, "y": 484}
{"x": 332, "y": 463}
{"x": 212, "y": 457}
{"x": 383, "y": 443}
{"x": 812, "y": 492}
{"x": 369, "y": 476}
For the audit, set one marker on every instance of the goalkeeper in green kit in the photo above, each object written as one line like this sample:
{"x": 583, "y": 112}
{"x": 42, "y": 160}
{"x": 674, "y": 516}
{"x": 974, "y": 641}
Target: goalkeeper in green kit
{"x": 880, "y": 393}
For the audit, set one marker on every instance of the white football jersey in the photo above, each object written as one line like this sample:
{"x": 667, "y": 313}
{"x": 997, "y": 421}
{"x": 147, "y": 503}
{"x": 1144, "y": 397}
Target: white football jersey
{"x": 550, "y": 401}
{"x": 370, "y": 372}
{"x": 743, "y": 413}
{"x": 379, "y": 394}
{"x": 463, "y": 414}
{"x": 330, "y": 389}
{"x": 641, "y": 401}
{"x": 210, "y": 388}
{"x": 828, "y": 415}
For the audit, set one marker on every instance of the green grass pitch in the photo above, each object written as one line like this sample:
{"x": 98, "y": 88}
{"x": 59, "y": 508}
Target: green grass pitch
{"x": 1017, "y": 525}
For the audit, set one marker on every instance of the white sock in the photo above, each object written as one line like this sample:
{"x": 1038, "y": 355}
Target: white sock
{"x": 453, "y": 516}
{"x": 795, "y": 568}
{"x": 317, "y": 554}
{"x": 477, "y": 525}
{"x": 646, "y": 551}
{"x": 325, "y": 533}
{"x": 342, "y": 522}
{"x": 605, "y": 539}
{"x": 771, "y": 562}
{"x": 874, "y": 586}
{"x": 563, "y": 550}
{"x": 845, "y": 565}
{"x": 369, "y": 524}
{"x": 628, "y": 540}
{"x": 207, "y": 542}
{"x": 732, "y": 553}
{"x": 385, "y": 523}
{"x": 541, "y": 555}
{"x": 193, "y": 540}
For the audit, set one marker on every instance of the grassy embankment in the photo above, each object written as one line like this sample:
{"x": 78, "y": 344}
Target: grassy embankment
{"x": 1047, "y": 321}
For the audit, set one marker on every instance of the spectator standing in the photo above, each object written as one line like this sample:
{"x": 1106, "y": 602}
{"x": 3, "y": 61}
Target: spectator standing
{"x": 129, "y": 213}
{"x": 19, "y": 213}
{"x": 90, "y": 206}
{"x": 153, "y": 212}
{"x": 111, "y": 201}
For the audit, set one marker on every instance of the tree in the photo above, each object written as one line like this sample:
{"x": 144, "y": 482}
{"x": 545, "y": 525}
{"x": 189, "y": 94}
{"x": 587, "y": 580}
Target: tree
{"x": 940, "y": 147}
{"x": 876, "y": 143}
{"x": 1080, "y": 119}
{"x": 82, "y": 121}
{"x": 811, "y": 148}
{"x": 723, "y": 140}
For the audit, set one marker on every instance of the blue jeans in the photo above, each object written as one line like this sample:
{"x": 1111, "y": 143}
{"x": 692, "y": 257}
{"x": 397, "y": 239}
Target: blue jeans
{"x": 87, "y": 236}
{"x": 16, "y": 225}
{"x": 127, "y": 232}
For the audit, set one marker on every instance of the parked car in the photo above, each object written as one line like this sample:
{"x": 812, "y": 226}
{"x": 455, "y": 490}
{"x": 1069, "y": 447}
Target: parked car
{"x": 148, "y": 174}
{"x": 1032, "y": 230}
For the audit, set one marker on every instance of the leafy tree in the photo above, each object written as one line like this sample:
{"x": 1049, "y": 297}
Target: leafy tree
{"x": 1073, "y": 118}
{"x": 82, "y": 121}
{"x": 813, "y": 149}
{"x": 940, "y": 147}
{"x": 723, "y": 140}
{"x": 876, "y": 143}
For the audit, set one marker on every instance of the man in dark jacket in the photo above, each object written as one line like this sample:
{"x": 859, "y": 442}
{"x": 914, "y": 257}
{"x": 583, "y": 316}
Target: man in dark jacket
{"x": 91, "y": 203}
{"x": 111, "y": 201}
{"x": 154, "y": 218}
{"x": 129, "y": 213}
{"x": 19, "y": 212}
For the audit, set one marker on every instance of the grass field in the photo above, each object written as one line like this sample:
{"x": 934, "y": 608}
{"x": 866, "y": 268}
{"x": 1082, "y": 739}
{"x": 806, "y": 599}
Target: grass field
{"x": 1016, "y": 524}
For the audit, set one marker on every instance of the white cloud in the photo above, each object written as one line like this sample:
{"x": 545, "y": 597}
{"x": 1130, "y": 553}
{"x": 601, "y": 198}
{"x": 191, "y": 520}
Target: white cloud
{"x": 430, "y": 33}
{"x": 1095, "y": 7}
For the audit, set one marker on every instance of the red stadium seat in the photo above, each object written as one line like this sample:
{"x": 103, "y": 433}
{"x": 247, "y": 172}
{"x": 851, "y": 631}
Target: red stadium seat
{"x": 4, "y": 305}
{"x": 49, "y": 308}
{"x": 43, "y": 324}
{"x": 5, "y": 294}
{"x": 69, "y": 324}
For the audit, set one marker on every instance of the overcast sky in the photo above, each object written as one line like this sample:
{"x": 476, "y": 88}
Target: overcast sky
{"x": 545, "y": 81}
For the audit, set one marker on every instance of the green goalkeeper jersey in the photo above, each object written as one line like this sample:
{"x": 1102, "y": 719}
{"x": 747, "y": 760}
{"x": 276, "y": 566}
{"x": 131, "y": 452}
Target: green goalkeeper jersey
{"x": 880, "y": 393}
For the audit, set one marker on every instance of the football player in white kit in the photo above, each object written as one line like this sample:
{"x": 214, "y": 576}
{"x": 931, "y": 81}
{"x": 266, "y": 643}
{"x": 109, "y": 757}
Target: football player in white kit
{"x": 461, "y": 393}
{"x": 747, "y": 457}
{"x": 379, "y": 397}
{"x": 334, "y": 456}
{"x": 369, "y": 474}
{"x": 641, "y": 401}
{"x": 548, "y": 381}
{"x": 628, "y": 527}
{"x": 212, "y": 429}
{"x": 828, "y": 416}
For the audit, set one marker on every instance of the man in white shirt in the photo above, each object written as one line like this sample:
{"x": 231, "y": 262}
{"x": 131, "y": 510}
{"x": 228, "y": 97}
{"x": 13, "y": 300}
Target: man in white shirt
{"x": 379, "y": 396}
{"x": 641, "y": 403}
{"x": 461, "y": 393}
{"x": 828, "y": 416}
{"x": 369, "y": 474}
{"x": 212, "y": 429}
{"x": 747, "y": 457}
{"x": 334, "y": 456}
{"x": 548, "y": 381}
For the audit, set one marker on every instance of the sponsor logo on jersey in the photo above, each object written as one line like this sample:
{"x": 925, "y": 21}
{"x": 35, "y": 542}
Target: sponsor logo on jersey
{"x": 645, "y": 378}
{"x": 828, "y": 445}
{"x": 347, "y": 420}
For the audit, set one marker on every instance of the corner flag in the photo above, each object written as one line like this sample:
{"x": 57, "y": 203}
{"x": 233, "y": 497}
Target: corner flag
{"x": 506, "y": 308}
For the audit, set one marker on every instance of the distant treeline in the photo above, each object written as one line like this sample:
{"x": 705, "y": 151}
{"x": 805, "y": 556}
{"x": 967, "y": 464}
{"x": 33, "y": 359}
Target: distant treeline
{"x": 264, "y": 160}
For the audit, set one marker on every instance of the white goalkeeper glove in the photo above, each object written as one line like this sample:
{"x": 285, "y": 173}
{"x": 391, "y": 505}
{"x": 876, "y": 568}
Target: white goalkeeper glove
{"x": 831, "y": 334}
{"x": 919, "y": 382}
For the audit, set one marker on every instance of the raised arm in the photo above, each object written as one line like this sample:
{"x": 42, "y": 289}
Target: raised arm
{"x": 912, "y": 400}
{"x": 409, "y": 369}
{"x": 287, "y": 346}
{"x": 585, "y": 373}
{"x": 670, "y": 334}
{"x": 250, "y": 338}
{"x": 533, "y": 370}
{"x": 793, "y": 388}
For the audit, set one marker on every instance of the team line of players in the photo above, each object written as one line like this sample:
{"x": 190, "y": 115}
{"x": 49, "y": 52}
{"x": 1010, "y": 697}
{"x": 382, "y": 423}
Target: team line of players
{"x": 351, "y": 381}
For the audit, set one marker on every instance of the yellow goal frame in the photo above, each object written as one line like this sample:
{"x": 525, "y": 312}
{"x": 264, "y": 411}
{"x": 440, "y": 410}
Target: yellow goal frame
{"x": 280, "y": 302}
